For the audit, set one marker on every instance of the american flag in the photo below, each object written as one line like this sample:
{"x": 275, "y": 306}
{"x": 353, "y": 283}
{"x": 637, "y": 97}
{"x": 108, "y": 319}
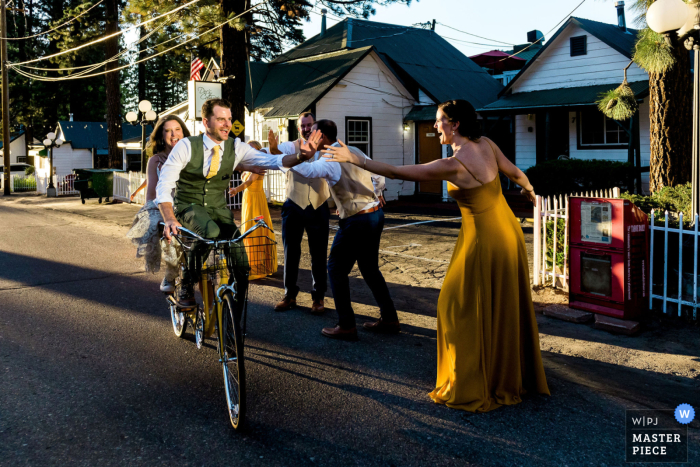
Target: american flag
{"x": 194, "y": 69}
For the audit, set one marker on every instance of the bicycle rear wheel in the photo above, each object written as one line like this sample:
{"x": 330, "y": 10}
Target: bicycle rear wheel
{"x": 179, "y": 320}
{"x": 233, "y": 363}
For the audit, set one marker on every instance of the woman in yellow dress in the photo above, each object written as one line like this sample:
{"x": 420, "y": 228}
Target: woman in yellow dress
{"x": 488, "y": 342}
{"x": 260, "y": 247}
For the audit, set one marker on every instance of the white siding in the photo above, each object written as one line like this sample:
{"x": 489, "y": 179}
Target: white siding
{"x": 379, "y": 97}
{"x": 555, "y": 68}
{"x": 65, "y": 159}
{"x": 525, "y": 147}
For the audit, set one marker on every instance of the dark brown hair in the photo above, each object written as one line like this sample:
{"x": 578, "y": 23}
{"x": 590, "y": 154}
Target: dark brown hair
{"x": 307, "y": 114}
{"x": 328, "y": 128}
{"x": 156, "y": 142}
{"x": 461, "y": 111}
{"x": 209, "y": 104}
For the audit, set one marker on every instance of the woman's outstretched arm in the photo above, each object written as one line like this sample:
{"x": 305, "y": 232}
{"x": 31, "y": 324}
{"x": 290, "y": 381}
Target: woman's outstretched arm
{"x": 441, "y": 169}
{"x": 251, "y": 177}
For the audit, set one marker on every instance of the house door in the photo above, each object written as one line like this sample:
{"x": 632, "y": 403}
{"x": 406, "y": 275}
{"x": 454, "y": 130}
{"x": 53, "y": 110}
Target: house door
{"x": 429, "y": 149}
{"x": 552, "y": 138}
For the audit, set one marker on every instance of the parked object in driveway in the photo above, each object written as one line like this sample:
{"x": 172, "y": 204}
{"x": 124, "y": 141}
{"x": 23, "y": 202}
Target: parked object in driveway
{"x": 94, "y": 183}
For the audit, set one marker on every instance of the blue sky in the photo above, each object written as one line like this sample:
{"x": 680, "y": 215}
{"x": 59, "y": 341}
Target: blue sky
{"x": 499, "y": 20}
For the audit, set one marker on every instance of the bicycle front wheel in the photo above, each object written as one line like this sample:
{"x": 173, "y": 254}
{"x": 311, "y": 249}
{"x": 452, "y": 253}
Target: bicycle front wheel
{"x": 233, "y": 362}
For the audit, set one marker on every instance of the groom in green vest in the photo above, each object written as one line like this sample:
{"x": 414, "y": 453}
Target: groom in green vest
{"x": 199, "y": 169}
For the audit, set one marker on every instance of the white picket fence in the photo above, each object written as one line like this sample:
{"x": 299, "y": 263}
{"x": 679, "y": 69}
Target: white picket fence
{"x": 65, "y": 185}
{"x": 125, "y": 183}
{"x": 20, "y": 183}
{"x": 551, "y": 209}
{"x": 691, "y": 280}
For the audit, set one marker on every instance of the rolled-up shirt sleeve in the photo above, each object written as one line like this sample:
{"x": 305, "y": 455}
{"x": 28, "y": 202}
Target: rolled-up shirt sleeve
{"x": 170, "y": 171}
{"x": 252, "y": 157}
{"x": 322, "y": 168}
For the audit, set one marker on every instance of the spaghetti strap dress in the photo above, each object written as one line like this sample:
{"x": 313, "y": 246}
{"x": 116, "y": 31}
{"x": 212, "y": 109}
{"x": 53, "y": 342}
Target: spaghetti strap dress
{"x": 260, "y": 247}
{"x": 487, "y": 337}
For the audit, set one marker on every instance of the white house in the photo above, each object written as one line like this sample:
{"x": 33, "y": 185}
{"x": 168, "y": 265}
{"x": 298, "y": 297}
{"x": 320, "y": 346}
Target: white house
{"x": 18, "y": 148}
{"x": 380, "y": 83}
{"x": 553, "y": 98}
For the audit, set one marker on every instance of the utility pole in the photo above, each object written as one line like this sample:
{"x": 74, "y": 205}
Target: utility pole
{"x": 432, "y": 27}
{"x": 5, "y": 98}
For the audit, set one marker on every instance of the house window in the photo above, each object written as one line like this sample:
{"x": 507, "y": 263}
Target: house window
{"x": 358, "y": 132}
{"x": 595, "y": 129}
{"x": 266, "y": 127}
{"x": 578, "y": 45}
{"x": 21, "y": 159}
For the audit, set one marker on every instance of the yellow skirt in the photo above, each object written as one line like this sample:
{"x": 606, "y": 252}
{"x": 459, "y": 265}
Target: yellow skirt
{"x": 260, "y": 247}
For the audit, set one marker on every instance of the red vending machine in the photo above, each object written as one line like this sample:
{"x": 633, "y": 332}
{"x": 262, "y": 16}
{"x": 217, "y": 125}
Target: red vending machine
{"x": 609, "y": 257}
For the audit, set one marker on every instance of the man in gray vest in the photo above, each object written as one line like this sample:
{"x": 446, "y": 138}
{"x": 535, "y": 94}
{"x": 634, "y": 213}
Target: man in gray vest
{"x": 358, "y": 196}
{"x": 305, "y": 209}
{"x": 200, "y": 169}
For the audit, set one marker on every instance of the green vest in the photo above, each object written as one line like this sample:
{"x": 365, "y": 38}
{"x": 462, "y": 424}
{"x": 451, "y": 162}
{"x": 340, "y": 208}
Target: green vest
{"x": 194, "y": 188}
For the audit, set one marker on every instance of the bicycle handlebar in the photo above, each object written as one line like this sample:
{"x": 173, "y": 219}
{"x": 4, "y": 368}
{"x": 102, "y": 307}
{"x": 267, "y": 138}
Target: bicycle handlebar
{"x": 260, "y": 222}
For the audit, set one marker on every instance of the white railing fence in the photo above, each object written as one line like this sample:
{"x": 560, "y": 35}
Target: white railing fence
{"x": 125, "y": 183}
{"x": 20, "y": 183}
{"x": 65, "y": 185}
{"x": 551, "y": 240}
{"x": 683, "y": 289}
{"x": 274, "y": 185}
{"x": 234, "y": 202}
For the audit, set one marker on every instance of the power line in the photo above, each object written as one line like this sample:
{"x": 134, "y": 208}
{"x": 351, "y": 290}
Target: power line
{"x": 470, "y": 34}
{"x": 118, "y": 33}
{"x": 469, "y": 42}
{"x": 72, "y": 76}
{"x": 539, "y": 40}
{"x": 52, "y": 29}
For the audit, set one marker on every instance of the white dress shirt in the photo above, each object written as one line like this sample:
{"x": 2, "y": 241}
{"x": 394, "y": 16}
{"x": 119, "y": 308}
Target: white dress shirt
{"x": 330, "y": 170}
{"x": 182, "y": 154}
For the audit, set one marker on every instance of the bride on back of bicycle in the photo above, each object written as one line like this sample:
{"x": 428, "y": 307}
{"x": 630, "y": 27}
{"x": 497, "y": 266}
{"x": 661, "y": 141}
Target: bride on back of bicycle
{"x": 144, "y": 231}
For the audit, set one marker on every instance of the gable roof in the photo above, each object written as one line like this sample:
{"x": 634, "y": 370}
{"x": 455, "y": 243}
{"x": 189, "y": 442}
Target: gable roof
{"x": 88, "y": 135}
{"x": 13, "y": 137}
{"x": 610, "y": 34}
{"x": 420, "y": 57}
{"x": 290, "y": 88}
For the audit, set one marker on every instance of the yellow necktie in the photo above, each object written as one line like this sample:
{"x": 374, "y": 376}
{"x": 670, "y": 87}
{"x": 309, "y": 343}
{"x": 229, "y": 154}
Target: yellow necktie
{"x": 215, "y": 162}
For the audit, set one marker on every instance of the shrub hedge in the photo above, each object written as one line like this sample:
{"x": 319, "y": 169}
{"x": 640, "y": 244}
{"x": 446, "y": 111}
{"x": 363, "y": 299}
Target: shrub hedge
{"x": 573, "y": 175}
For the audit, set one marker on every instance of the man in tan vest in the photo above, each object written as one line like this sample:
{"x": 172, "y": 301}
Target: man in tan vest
{"x": 358, "y": 196}
{"x": 305, "y": 209}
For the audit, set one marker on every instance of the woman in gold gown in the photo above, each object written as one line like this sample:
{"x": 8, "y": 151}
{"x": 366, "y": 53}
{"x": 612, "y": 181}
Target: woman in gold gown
{"x": 488, "y": 342}
{"x": 260, "y": 247}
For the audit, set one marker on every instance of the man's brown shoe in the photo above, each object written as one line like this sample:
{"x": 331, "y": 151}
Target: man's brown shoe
{"x": 317, "y": 307}
{"x": 340, "y": 333}
{"x": 286, "y": 304}
{"x": 383, "y": 327}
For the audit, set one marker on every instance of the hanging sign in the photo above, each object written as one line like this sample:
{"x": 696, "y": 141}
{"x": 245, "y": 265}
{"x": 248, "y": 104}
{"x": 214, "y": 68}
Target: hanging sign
{"x": 199, "y": 92}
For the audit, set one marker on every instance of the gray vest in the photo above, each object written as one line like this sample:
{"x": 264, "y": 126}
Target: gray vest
{"x": 304, "y": 191}
{"x": 355, "y": 190}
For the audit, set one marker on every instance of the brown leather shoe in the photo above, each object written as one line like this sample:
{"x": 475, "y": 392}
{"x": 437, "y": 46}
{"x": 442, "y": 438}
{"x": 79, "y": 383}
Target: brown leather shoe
{"x": 286, "y": 304}
{"x": 383, "y": 327}
{"x": 317, "y": 307}
{"x": 340, "y": 333}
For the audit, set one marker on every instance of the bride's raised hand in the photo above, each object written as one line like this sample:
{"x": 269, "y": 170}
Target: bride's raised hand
{"x": 341, "y": 154}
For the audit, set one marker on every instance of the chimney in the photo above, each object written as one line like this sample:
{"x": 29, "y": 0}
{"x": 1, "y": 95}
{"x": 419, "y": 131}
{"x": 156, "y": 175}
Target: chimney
{"x": 70, "y": 117}
{"x": 323, "y": 21}
{"x": 621, "y": 23}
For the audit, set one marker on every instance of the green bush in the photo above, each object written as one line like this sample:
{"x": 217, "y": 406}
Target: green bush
{"x": 574, "y": 175}
{"x": 672, "y": 199}
{"x": 29, "y": 170}
{"x": 561, "y": 238}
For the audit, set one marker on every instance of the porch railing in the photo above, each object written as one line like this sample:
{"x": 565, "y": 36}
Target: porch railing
{"x": 687, "y": 285}
{"x": 549, "y": 213}
{"x": 125, "y": 183}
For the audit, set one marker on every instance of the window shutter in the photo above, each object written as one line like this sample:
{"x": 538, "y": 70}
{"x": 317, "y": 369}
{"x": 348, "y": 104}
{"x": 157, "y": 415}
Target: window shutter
{"x": 578, "y": 45}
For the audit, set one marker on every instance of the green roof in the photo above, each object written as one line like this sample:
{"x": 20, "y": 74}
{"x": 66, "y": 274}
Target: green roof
{"x": 293, "y": 87}
{"x": 610, "y": 34}
{"x": 421, "y": 113}
{"x": 524, "y": 102}
{"x": 420, "y": 57}
{"x": 88, "y": 135}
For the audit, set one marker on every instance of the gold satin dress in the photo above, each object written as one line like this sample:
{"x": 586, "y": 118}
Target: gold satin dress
{"x": 487, "y": 337}
{"x": 261, "y": 255}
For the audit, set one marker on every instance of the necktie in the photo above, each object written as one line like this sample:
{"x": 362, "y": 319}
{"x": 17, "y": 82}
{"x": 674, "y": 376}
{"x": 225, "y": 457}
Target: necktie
{"x": 215, "y": 162}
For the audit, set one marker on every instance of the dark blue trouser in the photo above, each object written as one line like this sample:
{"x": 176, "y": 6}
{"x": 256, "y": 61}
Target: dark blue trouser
{"x": 357, "y": 240}
{"x": 315, "y": 221}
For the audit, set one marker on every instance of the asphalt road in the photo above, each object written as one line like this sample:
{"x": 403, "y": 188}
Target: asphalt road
{"x": 92, "y": 374}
